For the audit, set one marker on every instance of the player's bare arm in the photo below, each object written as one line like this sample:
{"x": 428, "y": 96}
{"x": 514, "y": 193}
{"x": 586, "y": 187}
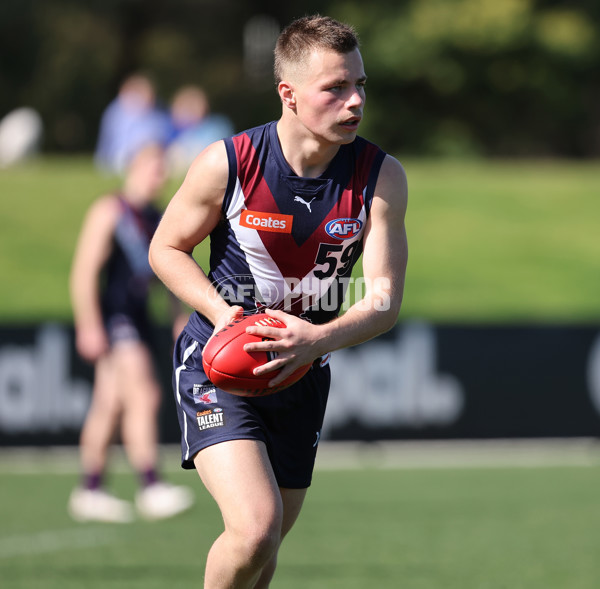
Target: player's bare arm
{"x": 191, "y": 215}
{"x": 385, "y": 258}
{"x": 93, "y": 249}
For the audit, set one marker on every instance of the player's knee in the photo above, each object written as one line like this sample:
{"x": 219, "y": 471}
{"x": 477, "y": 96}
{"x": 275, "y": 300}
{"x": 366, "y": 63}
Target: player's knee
{"x": 105, "y": 408}
{"x": 262, "y": 548}
{"x": 144, "y": 396}
{"x": 260, "y": 543}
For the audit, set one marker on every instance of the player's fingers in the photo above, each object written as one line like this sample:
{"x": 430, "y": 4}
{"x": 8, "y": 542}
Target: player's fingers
{"x": 264, "y": 331}
{"x": 234, "y": 312}
{"x": 278, "y": 314}
{"x": 286, "y": 371}
{"x": 266, "y": 345}
{"x": 227, "y": 317}
{"x": 271, "y": 366}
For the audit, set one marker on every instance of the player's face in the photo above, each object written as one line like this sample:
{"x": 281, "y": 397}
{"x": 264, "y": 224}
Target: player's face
{"x": 148, "y": 175}
{"x": 330, "y": 95}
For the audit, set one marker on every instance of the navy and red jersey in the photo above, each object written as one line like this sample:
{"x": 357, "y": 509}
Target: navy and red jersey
{"x": 287, "y": 242}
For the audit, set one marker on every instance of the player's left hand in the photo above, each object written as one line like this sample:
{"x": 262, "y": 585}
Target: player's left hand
{"x": 295, "y": 345}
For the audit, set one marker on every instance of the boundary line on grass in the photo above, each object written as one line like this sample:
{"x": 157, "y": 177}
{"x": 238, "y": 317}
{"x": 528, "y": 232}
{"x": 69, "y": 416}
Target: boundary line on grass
{"x": 497, "y": 453}
{"x": 54, "y": 540}
{"x": 435, "y": 454}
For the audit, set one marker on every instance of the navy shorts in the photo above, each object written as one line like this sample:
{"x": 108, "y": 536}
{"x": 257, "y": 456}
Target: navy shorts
{"x": 288, "y": 422}
{"x": 122, "y": 327}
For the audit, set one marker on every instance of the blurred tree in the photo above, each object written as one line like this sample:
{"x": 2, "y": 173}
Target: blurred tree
{"x": 451, "y": 77}
{"x": 515, "y": 77}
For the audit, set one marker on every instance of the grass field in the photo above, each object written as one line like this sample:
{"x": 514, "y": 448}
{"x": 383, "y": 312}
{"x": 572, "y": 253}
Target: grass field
{"x": 457, "y": 528}
{"x": 489, "y": 241}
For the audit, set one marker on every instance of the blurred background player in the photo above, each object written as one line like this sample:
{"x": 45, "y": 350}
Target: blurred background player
{"x": 110, "y": 282}
{"x": 194, "y": 127}
{"x": 131, "y": 120}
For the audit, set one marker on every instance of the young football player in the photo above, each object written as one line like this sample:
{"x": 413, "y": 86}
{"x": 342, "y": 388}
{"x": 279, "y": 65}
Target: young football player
{"x": 289, "y": 207}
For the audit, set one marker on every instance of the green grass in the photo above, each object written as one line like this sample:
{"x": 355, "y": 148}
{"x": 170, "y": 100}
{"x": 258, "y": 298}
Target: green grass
{"x": 41, "y": 210}
{"x": 501, "y": 528}
{"x": 489, "y": 241}
{"x": 501, "y": 240}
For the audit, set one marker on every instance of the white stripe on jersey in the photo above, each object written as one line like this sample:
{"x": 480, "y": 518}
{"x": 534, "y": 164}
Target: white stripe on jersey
{"x": 271, "y": 284}
{"x": 269, "y": 280}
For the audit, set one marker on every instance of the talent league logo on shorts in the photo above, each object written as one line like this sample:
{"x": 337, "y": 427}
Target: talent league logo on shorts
{"x": 275, "y": 222}
{"x": 210, "y": 418}
{"x": 205, "y": 394}
{"x": 344, "y": 228}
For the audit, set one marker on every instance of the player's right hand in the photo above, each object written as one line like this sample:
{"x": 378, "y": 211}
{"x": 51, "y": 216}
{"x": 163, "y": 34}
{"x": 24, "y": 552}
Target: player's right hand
{"x": 227, "y": 317}
{"x": 91, "y": 343}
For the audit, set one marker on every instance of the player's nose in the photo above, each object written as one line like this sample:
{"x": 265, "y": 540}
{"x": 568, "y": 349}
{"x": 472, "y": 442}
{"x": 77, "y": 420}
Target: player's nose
{"x": 356, "y": 99}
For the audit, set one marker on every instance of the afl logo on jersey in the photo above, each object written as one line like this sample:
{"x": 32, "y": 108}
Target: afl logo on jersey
{"x": 343, "y": 228}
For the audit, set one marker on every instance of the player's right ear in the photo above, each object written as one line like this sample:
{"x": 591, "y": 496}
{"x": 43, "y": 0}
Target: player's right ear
{"x": 287, "y": 94}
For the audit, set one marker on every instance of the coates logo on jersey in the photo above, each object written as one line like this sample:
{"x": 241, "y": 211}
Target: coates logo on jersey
{"x": 343, "y": 228}
{"x": 260, "y": 221}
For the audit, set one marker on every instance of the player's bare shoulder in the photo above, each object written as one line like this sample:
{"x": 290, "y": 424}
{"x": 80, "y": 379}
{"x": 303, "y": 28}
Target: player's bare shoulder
{"x": 195, "y": 209}
{"x": 391, "y": 190}
{"x": 104, "y": 211}
{"x": 392, "y": 178}
{"x": 208, "y": 175}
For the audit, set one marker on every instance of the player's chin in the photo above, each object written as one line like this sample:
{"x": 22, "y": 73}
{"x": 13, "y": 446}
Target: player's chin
{"x": 343, "y": 139}
{"x": 346, "y": 133}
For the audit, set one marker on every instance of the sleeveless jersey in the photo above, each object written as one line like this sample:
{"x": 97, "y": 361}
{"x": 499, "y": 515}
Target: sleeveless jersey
{"x": 127, "y": 273}
{"x": 287, "y": 242}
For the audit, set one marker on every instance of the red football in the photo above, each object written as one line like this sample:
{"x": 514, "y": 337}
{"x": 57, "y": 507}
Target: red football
{"x": 230, "y": 368}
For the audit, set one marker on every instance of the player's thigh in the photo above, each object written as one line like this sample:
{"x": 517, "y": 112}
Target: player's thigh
{"x": 134, "y": 366}
{"x": 132, "y": 357}
{"x": 238, "y": 474}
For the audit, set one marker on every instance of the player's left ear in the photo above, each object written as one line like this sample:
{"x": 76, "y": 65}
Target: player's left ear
{"x": 287, "y": 94}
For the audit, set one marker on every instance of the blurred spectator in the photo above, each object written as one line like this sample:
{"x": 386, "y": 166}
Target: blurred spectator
{"x": 110, "y": 282}
{"x": 129, "y": 122}
{"x": 194, "y": 127}
{"x": 20, "y": 135}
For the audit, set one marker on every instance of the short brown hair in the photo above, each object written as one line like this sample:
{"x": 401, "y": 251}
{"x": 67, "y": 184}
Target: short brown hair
{"x": 303, "y": 35}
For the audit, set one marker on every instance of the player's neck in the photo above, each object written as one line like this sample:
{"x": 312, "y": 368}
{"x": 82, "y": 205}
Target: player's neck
{"x": 306, "y": 155}
{"x": 135, "y": 197}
